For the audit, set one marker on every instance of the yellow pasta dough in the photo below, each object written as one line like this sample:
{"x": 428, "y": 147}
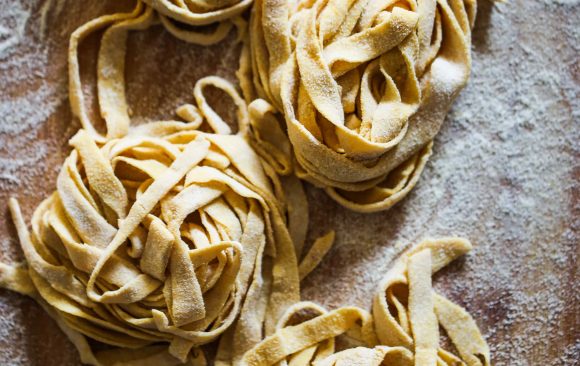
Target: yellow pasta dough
{"x": 225, "y": 13}
{"x": 363, "y": 87}
{"x": 403, "y": 328}
{"x": 159, "y": 237}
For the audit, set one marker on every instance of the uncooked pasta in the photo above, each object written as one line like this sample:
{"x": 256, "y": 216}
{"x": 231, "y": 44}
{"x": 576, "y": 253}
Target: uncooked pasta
{"x": 402, "y": 330}
{"x": 361, "y": 88}
{"x": 222, "y": 14}
{"x": 159, "y": 237}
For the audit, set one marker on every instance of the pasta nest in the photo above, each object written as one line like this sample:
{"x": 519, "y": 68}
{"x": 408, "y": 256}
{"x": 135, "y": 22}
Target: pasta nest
{"x": 363, "y": 87}
{"x": 158, "y": 236}
{"x": 402, "y": 330}
{"x": 162, "y": 236}
{"x": 151, "y": 238}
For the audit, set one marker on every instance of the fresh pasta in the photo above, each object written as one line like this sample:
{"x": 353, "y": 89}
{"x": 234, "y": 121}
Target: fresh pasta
{"x": 151, "y": 239}
{"x": 224, "y": 14}
{"x": 362, "y": 87}
{"x": 160, "y": 237}
{"x": 403, "y": 329}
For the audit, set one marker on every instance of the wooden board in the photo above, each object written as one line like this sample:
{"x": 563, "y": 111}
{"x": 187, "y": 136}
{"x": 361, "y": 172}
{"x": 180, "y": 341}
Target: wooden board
{"x": 504, "y": 173}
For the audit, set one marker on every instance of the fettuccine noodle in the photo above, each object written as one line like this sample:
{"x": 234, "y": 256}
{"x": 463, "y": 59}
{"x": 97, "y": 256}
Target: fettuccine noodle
{"x": 362, "y": 85}
{"x": 402, "y": 331}
{"x": 225, "y": 13}
{"x": 160, "y": 237}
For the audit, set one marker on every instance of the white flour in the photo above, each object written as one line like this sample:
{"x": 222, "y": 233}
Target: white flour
{"x": 504, "y": 174}
{"x": 29, "y": 96}
{"x": 12, "y": 29}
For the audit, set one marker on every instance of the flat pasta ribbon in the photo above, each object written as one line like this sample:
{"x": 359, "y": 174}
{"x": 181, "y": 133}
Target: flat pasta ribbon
{"x": 363, "y": 87}
{"x": 408, "y": 312}
{"x": 306, "y": 334}
{"x": 159, "y": 237}
{"x": 225, "y": 14}
{"x": 113, "y": 105}
{"x": 403, "y": 330}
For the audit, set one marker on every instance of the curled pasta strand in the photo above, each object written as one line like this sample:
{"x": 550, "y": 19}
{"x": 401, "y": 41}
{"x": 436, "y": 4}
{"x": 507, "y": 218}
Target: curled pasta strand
{"x": 402, "y": 331}
{"x": 215, "y": 121}
{"x": 76, "y": 97}
{"x": 201, "y": 38}
{"x": 198, "y": 13}
{"x": 307, "y": 332}
{"x": 194, "y": 14}
{"x": 110, "y": 73}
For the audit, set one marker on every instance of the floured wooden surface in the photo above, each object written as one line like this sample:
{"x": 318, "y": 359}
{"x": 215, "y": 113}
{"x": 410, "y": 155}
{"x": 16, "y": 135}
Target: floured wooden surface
{"x": 504, "y": 173}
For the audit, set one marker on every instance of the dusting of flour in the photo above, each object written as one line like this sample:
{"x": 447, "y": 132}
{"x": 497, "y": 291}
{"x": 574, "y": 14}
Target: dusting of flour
{"x": 504, "y": 173}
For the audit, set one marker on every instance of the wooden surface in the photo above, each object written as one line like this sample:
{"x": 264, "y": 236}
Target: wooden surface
{"x": 504, "y": 173}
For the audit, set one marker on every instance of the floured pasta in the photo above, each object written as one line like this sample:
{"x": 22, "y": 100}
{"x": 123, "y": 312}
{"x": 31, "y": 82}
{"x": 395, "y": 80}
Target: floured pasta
{"x": 363, "y": 87}
{"x": 403, "y": 328}
{"x": 225, "y": 13}
{"x": 159, "y": 237}
{"x": 111, "y": 69}
{"x": 407, "y": 312}
{"x": 151, "y": 239}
